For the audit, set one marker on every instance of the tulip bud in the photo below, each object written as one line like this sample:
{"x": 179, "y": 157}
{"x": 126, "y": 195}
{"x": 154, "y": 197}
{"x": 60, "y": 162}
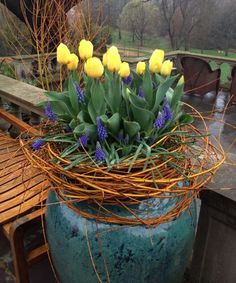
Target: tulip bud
{"x": 140, "y": 68}
{"x": 166, "y": 68}
{"x": 73, "y": 62}
{"x": 155, "y": 64}
{"x": 94, "y": 68}
{"x": 85, "y": 49}
{"x": 113, "y": 50}
{"x": 104, "y": 59}
{"x": 113, "y": 62}
{"x": 124, "y": 71}
{"x": 181, "y": 80}
{"x": 159, "y": 53}
{"x": 63, "y": 54}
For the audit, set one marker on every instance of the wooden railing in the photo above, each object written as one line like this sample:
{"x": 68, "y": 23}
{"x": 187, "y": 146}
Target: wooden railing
{"x": 20, "y": 98}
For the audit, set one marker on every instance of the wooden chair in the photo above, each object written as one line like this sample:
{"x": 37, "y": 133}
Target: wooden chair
{"x": 233, "y": 86}
{"x": 23, "y": 189}
{"x": 199, "y": 78}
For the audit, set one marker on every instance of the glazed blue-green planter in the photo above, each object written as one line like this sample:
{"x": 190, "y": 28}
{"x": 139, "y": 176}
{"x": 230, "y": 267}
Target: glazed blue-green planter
{"x": 120, "y": 254}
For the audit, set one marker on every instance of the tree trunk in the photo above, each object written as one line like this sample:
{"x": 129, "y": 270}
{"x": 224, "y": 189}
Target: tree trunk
{"x": 120, "y": 35}
{"x": 133, "y": 36}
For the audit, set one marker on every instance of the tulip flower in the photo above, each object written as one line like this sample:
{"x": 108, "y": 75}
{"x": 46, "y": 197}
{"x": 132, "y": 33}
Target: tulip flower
{"x": 104, "y": 59}
{"x": 124, "y": 71}
{"x": 166, "y": 68}
{"x": 63, "y": 54}
{"x": 73, "y": 62}
{"x": 94, "y": 68}
{"x": 113, "y": 62}
{"x": 113, "y": 50}
{"x": 155, "y": 64}
{"x": 159, "y": 53}
{"x": 140, "y": 68}
{"x": 85, "y": 49}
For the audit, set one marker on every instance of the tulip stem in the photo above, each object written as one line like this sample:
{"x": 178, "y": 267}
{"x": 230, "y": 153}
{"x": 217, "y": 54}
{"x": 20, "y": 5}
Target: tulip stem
{"x": 61, "y": 78}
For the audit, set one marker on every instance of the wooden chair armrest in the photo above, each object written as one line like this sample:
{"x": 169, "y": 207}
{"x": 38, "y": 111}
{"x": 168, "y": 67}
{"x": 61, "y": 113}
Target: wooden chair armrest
{"x": 17, "y": 122}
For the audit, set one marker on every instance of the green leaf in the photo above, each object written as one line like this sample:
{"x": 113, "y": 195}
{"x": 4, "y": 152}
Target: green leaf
{"x": 86, "y": 128}
{"x": 186, "y": 119}
{"x": 74, "y": 102}
{"x": 69, "y": 150}
{"x": 178, "y": 92}
{"x": 97, "y": 104}
{"x": 113, "y": 123}
{"x": 62, "y": 111}
{"x": 144, "y": 117}
{"x": 131, "y": 128}
{"x": 138, "y": 101}
{"x": 161, "y": 92}
{"x": 113, "y": 96}
{"x": 148, "y": 87}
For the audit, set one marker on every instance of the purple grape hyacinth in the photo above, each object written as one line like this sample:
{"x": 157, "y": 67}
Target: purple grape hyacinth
{"x": 49, "y": 112}
{"x": 99, "y": 153}
{"x": 102, "y": 132}
{"x": 141, "y": 93}
{"x": 168, "y": 114}
{"x": 127, "y": 80}
{"x": 37, "y": 144}
{"x": 80, "y": 93}
{"x": 160, "y": 121}
{"x": 83, "y": 140}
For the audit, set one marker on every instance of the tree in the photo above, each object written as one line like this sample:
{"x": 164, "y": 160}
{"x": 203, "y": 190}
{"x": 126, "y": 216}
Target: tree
{"x": 180, "y": 18}
{"x": 224, "y": 29}
{"x": 140, "y": 18}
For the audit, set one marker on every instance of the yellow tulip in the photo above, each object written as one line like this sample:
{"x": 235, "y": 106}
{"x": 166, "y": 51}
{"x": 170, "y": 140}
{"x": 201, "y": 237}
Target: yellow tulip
{"x": 181, "y": 80}
{"x": 113, "y": 50}
{"x": 155, "y": 64}
{"x": 104, "y": 59}
{"x": 73, "y": 62}
{"x": 124, "y": 71}
{"x": 113, "y": 62}
{"x": 140, "y": 68}
{"x": 63, "y": 54}
{"x": 85, "y": 49}
{"x": 94, "y": 68}
{"x": 159, "y": 53}
{"x": 166, "y": 68}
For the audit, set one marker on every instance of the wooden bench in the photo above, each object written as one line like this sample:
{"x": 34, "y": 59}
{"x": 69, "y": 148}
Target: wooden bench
{"x": 23, "y": 191}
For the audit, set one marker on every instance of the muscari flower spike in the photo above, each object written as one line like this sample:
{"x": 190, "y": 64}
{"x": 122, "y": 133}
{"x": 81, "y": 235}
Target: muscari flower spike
{"x": 167, "y": 112}
{"x": 160, "y": 121}
{"x": 99, "y": 153}
{"x": 102, "y": 132}
{"x": 37, "y": 144}
{"x": 141, "y": 93}
{"x": 127, "y": 80}
{"x": 49, "y": 112}
{"x": 83, "y": 140}
{"x": 80, "y": 93}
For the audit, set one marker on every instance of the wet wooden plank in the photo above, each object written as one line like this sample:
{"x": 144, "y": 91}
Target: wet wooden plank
{"x": 21, "y": 209}
{"x": 24, "y": 196}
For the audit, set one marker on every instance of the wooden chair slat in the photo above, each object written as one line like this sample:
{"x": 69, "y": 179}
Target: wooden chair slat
{"x": 21, "y": 209}
{"x": 11, "y": 169}
{"x": 24, "y": 196}
{"x": 21, "y": 183}
{"x": 21, "y": 173}
{"x": 12, "y": 161}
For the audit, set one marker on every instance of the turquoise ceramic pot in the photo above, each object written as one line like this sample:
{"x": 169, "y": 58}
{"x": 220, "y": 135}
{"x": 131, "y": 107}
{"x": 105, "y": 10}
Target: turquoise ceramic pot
{"x": 128, "y": 254}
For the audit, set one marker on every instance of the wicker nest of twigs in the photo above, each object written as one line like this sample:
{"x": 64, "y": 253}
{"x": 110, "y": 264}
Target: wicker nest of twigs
{"x": 178, "y": 171}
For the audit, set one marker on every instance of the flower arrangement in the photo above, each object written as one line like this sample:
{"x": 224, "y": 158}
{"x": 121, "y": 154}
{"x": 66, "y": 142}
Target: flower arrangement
{"x": 124, "y": 136}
